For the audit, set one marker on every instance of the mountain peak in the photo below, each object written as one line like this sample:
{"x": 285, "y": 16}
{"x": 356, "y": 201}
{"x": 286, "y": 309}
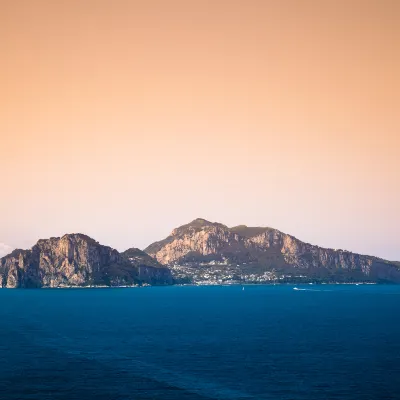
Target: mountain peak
{"x": 80, "y": 236}
{"x": 197, "y": 224}
{"x": 72, "y": 238}
{"x": 201, "y": 221}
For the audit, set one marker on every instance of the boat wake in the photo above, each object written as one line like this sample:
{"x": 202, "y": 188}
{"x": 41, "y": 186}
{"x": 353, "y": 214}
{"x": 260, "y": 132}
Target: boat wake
{"x": 311, "y": 290}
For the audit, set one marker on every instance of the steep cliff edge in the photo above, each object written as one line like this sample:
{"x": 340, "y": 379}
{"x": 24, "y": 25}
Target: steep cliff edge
{"x": 77, "y": 260}
{"x": 247, "y": 253}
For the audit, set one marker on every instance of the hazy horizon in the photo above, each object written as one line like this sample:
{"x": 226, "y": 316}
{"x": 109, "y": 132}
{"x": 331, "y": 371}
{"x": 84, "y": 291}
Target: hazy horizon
{"x": 125, "y": 119}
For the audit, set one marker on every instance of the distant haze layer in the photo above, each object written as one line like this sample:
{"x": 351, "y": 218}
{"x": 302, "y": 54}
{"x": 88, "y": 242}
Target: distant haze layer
{"x": 4, "y": 249}
{"x": 124, "y": 119}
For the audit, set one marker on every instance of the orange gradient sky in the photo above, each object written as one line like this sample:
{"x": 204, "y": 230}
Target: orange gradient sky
{"x": 125, "y": 119}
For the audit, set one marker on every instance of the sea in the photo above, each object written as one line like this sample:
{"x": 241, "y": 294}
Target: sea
{"x": 201, "y": 342}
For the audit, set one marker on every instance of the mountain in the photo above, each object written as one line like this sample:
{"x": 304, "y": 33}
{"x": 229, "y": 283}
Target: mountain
{"x": 149, "y": 270}
{"x": 200, "y": 252}
{"x": 78, "y": 260}
{"x": 209, "y": 252}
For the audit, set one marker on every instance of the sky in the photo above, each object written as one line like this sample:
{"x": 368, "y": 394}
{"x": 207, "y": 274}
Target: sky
{"x": 124, "y": 119}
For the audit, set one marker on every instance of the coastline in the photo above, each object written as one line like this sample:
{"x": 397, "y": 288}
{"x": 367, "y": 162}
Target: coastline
{"x": 204, "y": 284}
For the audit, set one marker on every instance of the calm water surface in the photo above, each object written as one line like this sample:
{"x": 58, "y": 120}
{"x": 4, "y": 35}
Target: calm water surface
{"x": 266, "y": 342}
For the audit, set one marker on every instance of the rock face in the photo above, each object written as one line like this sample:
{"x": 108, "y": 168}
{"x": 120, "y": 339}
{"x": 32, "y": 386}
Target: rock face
{"x": 148, "y": 269}
{"x": 77, "y": 260}
{"x": 247, "y": 253}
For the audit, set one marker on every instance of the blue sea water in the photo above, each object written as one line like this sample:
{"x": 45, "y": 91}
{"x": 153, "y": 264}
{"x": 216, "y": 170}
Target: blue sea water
{"x": 179, "y": 343}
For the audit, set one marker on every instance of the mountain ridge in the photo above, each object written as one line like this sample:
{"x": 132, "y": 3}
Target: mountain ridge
{"x": 200, "y": 252}
{"x": 263, "y": 251}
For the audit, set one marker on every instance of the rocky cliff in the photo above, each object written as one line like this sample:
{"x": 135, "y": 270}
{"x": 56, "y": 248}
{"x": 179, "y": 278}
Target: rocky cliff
{"x": 78, "y": 260}
{"x": 242, "y": 253}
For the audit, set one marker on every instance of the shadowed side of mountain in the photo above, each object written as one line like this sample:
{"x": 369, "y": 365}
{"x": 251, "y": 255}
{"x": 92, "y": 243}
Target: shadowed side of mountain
{"x": 247, "y": 231}
{"x": 148, "y": 268}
